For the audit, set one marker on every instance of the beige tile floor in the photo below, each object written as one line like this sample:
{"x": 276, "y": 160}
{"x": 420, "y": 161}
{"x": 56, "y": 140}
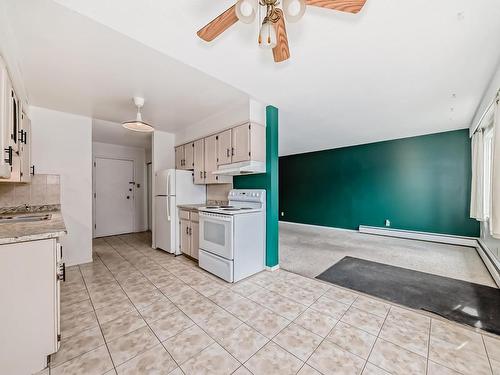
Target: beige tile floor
{"x": 135, "y": 310}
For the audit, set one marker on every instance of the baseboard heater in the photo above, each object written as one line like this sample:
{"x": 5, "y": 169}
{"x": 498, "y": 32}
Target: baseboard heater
{"x": 422, "y": 236}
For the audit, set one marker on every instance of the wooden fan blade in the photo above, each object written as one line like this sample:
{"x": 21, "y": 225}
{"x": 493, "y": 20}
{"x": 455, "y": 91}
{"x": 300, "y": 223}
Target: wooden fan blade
{"x": 281, "y": 52}
{"x": 220, "y": 24}
{"x": 351, "y": 6}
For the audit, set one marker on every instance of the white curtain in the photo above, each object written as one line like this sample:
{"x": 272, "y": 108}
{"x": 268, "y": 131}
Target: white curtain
{"x": 477, "y": 187}
{"x": 495, "y": 176}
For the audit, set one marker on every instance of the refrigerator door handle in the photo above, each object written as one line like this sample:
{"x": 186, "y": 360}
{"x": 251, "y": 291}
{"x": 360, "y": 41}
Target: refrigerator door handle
{"x": 168, "y": 207}
{"x": 168, "y": 184}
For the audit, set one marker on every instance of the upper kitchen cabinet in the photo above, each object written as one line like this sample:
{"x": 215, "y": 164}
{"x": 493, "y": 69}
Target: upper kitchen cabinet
{"x": 184, "y": 156}
{"x": 189, "y": 156}
{"x": 248, "y": 143}
{"x": 15, "y": 135}
{"x": 210, "y": 163}
{"x": 242, "y": 143}
{"x": 199, "y": 161}
{"x": 179, "y": 157}
{"x": 25, "y": 148}
{"x": 224, "y": 148}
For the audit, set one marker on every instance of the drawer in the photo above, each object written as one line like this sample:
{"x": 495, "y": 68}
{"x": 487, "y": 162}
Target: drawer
{"x": 216, "y": 265}
{"x": 195, "y": 216}
{"x": 184, "y": 215}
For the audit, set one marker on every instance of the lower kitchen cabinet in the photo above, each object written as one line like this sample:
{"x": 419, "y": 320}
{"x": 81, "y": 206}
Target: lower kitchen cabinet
{"x": 29, "y": 287}
{"x": 189, "y": 233}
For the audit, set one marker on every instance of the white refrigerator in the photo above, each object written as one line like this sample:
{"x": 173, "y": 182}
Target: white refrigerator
{"x": 173, "y": 187}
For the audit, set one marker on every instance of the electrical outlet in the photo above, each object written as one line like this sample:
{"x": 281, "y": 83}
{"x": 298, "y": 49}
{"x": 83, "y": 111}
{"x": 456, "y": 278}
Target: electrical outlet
{"x": 387, "y": 223}
{"x": 282, "y": 214}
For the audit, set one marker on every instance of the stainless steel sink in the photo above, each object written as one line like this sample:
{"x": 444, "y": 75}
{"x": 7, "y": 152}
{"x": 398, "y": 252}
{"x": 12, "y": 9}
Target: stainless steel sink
{"x": 24, "y": 218}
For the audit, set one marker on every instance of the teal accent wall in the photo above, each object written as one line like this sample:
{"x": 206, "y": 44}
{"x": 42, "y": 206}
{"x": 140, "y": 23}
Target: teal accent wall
{"x": 419, "y": 183}
{"x": 269, "y": 182}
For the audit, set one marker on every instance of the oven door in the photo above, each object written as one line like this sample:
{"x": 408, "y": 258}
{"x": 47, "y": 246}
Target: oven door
{"x": 216, "y": 234}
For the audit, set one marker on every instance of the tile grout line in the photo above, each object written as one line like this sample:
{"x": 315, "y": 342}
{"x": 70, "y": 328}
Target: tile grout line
{"x": 135, "y": 307}
{"x": 97, "y": 320}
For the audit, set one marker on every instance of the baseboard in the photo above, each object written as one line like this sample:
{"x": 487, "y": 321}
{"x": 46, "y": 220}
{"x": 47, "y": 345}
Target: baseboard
{"x": 273, "y": 268}
{"x": 291, "y": 223}
{"x": 422, "y": 236}
{"x": 489, "y": 260}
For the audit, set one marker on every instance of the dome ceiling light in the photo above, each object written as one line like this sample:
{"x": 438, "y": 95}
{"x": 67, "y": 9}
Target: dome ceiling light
{"x": 272, "y": 33}
{"x": 138, "y": 125}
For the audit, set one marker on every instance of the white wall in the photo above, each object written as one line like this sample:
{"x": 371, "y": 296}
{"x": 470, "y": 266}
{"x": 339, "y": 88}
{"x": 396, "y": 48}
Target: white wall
{"x": 138, "y": 156}
{"x": 488, "y": 96}
{"x": 250, "y": 110}
{"x": 62, "y": 144}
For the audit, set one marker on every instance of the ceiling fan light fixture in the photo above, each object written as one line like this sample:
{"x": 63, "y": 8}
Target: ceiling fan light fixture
{"x": 138, "y": 125}
{"x": 267, "y": 35}
{"x": 246, "y": 10}
{"x": 294, "y": 9}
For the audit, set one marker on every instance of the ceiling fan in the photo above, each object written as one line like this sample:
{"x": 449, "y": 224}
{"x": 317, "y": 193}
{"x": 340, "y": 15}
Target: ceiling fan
{"x": 273, "y": 31}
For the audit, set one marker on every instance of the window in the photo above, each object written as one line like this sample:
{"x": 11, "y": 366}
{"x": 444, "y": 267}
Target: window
{"x": 488, "y": 155}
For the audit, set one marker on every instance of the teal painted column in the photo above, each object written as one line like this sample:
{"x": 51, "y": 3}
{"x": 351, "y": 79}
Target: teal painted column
{"x": 272, "y": 163}
{"x": 269, "y": 182}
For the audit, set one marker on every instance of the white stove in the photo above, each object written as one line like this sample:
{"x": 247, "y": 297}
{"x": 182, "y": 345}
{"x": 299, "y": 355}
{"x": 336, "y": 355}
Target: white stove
{"x": 233, "y": 237}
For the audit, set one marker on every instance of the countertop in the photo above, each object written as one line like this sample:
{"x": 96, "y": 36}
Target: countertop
{"x": 32, "y": 231}
{"x": 191, "y": 207}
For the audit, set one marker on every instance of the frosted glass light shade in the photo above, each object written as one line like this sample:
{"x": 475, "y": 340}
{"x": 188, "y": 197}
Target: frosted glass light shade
{"x": 138, "y": 126}
{"x": 246, "y": 10}
{"x": 294, "y": 9}
{"x": 267, "y": 35}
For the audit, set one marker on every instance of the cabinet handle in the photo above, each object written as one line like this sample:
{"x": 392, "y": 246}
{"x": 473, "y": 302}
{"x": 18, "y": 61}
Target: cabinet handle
{"x": 205, "y": 174}
{"x": 190, "y": 231}
{"x": 232, "y": 151}
{"x": 33, "y": 170}
{"x": 201, "y": 174}
{"x": 8, "y": 159}
{"x": 187, "y": 231}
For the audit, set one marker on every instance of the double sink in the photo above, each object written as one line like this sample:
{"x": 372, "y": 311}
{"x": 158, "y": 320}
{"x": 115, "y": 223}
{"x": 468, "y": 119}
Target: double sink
{"x": 24, "y": 218}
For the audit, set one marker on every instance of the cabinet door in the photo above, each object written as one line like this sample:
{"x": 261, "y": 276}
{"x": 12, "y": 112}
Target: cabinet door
{"x": 199, "y": 161}
{"x": 210, "y": 159}
{"x": 14, "y": 120}
{"x": 189, "y": 156}
{"x": 185, "y": 237}
{"x": 179, "y": 157}
{"x": 224, "y": 147}
{"x": 25, "y": 148}
{"x": 241, "y": 143}
{"x": 195, "y": 239}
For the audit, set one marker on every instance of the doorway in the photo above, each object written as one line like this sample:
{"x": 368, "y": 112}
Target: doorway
{"x": 114, "y": 197}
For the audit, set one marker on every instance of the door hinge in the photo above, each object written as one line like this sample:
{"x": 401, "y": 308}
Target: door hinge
{"x": 216, "y": 137}
{"x": 58, "y": 337}
{"x": 249, "y": 154}
{"x": 249, "y": 126}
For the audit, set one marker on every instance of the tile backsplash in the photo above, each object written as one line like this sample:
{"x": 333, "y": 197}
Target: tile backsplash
{"x": 218, "y": 192}
{"x": 44, "y": 189}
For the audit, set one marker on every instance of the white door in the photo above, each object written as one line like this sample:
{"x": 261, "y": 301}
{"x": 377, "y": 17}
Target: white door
{"x": 114, "y": 196}
{"x": 150, "y": 195}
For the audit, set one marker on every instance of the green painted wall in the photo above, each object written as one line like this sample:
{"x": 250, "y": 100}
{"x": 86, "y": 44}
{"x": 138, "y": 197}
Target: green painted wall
{"x": 268, "y": 181}
{"x": 419, "y": 183}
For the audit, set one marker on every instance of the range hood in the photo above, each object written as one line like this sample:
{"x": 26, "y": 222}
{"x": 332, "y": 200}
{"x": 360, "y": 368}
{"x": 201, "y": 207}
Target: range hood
{"x": 242, "y": 168}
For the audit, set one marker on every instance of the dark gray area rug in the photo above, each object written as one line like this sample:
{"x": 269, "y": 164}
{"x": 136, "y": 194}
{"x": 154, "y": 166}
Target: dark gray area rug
{"x": 463, "y": 302}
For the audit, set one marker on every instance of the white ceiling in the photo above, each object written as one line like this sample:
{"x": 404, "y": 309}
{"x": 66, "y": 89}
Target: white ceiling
{"x": 396, "y": 69}
{"x": 115, "y": 133}
{"x": 73, "y": 64}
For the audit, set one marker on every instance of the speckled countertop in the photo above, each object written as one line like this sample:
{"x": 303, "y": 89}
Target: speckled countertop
{"x": 34, "y": 230}
{"x": 195, "y": 207}
{"x": 190, "y": 207}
